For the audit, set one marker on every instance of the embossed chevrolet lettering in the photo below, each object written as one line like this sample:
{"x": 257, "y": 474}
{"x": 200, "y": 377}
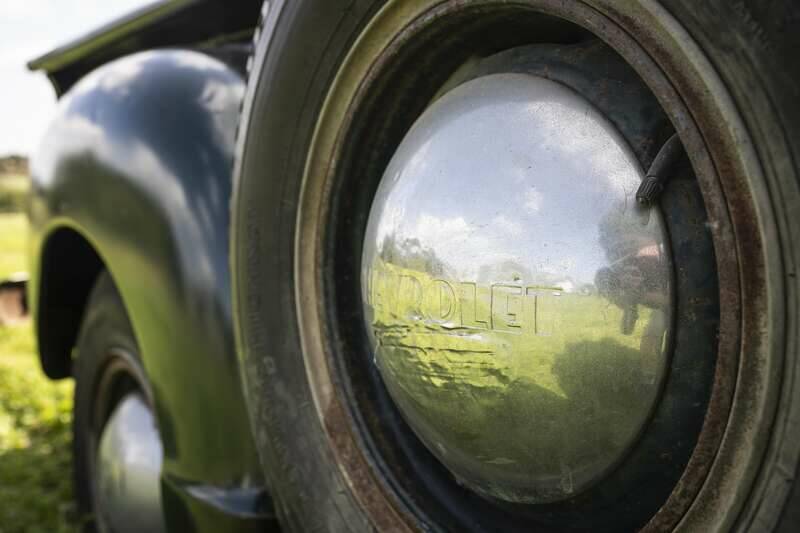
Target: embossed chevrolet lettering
{"x": 501, "y": 307}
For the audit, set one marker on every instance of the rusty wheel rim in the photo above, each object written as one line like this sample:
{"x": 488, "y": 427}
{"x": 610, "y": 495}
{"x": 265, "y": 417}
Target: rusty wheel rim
{"x": 730, "y": 178}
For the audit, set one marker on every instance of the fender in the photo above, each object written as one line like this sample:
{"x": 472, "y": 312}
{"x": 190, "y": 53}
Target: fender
{"x": 136, "y": 169}
{"x": 160, "y": 24}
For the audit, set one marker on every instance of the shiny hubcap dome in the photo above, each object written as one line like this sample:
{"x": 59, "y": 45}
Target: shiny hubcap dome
{"x": 517, "y": 298}
{"x": 129, "y": 470}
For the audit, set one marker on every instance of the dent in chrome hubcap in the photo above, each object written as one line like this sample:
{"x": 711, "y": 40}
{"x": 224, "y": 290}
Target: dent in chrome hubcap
{"x": 128, "y": 488}
{"x": 517, "y": 299}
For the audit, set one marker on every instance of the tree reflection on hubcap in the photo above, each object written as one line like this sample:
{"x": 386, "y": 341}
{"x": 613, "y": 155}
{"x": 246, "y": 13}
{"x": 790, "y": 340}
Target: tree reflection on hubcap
{"x": 517, "y": 298}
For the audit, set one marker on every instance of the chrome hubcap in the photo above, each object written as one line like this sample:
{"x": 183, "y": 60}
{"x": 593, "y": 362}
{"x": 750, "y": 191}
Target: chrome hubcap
{"x": 128, "y": 487}
{"x": 517, "y": 298}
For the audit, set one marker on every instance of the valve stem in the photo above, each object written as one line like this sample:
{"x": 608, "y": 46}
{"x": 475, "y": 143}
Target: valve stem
{"x": 659, "y": 171}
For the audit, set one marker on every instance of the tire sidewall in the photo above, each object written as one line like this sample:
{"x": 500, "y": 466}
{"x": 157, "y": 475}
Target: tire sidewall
{"x": 293, "y": 66}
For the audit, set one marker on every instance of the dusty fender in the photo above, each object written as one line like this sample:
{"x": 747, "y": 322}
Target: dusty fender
{"x": 134, "y": 175}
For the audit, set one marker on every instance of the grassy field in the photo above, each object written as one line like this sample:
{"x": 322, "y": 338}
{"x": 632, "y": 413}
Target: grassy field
{"x": 497, "y": 371}
{"x": 35, "y": 475}
{"x": 13, "y": 190}
{"x": 13, "y": 232}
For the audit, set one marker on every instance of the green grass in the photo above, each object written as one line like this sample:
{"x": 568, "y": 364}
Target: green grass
{"x": 13, "y": 235}
{"x": 35, "y": 462}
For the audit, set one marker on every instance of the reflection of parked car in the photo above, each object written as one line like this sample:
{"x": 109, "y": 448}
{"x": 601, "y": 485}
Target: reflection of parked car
{"x": 304, "y": 260}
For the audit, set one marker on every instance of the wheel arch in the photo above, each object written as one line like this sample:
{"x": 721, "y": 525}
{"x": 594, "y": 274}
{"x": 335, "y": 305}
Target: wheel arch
{"x": 63, "y": 292}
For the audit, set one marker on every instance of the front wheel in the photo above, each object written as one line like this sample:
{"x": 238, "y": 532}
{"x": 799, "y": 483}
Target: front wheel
{"x": 117, "y": 450}
{"x": 522, "y": 265}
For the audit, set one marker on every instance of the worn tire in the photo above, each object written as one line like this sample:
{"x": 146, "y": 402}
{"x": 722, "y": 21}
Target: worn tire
{"x": 753, "y": 49}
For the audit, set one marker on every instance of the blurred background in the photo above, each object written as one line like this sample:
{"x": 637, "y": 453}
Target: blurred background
{"x": 35, "y": 473}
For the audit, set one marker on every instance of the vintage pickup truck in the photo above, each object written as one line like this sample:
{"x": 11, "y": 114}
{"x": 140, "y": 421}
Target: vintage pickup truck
{"x": 426, "y": 265}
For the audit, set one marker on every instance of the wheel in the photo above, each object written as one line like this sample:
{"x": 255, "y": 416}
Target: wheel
{"x": 117, "y": 451}
{"x": 522, "y": 265}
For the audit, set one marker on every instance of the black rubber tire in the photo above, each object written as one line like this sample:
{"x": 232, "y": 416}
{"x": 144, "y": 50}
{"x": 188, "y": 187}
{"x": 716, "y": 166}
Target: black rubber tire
{"x": 753, "y": 45}
{"x": 105, "y": 333}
